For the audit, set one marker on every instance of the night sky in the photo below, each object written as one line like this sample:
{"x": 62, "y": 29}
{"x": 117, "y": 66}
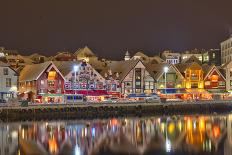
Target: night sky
{"x": 110, "y": 27}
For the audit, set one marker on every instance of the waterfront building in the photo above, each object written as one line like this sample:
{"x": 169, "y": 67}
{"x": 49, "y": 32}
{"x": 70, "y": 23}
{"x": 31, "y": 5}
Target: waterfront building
{"x": 194, "y": 80}
{"x": 133, "y": 76}
{"x": 171, "y": 57}
{"x": 214, "y": 80}
{"x": 87, "y": 80}
{"x": 170, "y": 82}
{"x": 8, "y": 82}
{"x": 226, "y": 50}
{"x": 41, "y": 82}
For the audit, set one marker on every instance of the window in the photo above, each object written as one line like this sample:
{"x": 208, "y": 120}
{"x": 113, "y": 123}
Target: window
{"x": 51, "y": 75}
{"x": 128, "y": 84}
{"x": 5, "y": 71}
{"x": 51, "y": 83}
{"x": 149, "y": 85}
{"x": 42, "y": 82}
{"x": 221, "y": 83}
{"x": 8, "y": 82}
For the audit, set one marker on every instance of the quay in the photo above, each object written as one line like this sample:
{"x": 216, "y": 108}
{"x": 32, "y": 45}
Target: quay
{"x": 107, "y": 110}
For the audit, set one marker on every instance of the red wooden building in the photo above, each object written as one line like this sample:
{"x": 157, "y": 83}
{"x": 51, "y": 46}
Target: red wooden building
{"x": 42, "y": 83}
{"x": 214, "y": 80}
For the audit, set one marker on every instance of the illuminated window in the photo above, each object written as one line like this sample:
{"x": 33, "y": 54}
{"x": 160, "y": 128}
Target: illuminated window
{"x": 214, "y": 78}
{"x": 51, "y": 75}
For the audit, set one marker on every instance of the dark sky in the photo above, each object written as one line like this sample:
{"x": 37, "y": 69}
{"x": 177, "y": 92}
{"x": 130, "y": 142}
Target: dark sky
{"x": 110, "y": 27}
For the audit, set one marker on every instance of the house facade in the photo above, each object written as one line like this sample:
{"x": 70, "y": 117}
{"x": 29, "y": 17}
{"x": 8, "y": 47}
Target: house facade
{"x": 87, "y": 80}
{"x": 214, "y": 80}
{"x": 42, "y": 83}
{"x": 170, "y": 83}
{"x": 133, "y": 77}
{"x": 8, "y": 82}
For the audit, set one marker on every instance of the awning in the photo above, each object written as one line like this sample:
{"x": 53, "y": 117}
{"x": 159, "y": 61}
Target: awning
{"x": 137, "y": 95}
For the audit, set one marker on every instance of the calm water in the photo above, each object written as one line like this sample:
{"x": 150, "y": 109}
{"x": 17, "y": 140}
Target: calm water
{"x": 154, "y": 135}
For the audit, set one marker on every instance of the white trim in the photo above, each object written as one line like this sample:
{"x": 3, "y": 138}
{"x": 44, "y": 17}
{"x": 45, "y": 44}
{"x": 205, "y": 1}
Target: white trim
{"x": 48, "y": 67}
{"x": 210, "y": 73}
{"x": 174, "y": 68}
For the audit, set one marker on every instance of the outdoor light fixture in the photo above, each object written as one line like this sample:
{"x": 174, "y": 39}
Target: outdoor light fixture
{"x": 165, "y": 73}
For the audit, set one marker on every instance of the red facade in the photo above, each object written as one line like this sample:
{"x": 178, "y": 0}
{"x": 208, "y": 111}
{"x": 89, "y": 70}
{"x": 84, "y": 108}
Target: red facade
{"x": 53, "y": 85}
{"x": 215, "y": 81}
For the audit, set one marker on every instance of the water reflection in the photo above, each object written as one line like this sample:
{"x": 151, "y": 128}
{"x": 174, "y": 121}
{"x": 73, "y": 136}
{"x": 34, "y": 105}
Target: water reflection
{"x": 160, "y": 135}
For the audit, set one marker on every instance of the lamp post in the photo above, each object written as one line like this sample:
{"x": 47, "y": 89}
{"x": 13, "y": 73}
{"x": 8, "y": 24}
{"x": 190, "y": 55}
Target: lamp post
{"x": 75, "y": 68}
{"x": 165, "y": 76}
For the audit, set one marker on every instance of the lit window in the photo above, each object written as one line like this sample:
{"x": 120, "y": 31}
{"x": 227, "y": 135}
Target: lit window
{"x": 51, "y": 75}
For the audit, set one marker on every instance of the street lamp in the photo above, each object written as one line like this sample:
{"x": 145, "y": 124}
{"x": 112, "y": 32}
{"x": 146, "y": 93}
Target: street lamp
{"x": 165, "y": 73}
{"x": 75, "y": 68}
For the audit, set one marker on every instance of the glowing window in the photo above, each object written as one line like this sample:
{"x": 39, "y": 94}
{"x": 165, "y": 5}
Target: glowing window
{"x": 214, "y": 78}
{"x": 51, "y": 75}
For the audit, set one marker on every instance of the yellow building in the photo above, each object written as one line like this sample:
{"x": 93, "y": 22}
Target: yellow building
{"x": 194, "y": 76}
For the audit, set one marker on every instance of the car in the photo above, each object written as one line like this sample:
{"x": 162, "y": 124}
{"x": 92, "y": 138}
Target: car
{"x": 153, "y": 99}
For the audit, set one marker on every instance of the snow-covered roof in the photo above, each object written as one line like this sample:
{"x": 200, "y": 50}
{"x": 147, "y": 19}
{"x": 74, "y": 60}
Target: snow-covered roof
{"x": 86, "y": 51}
{"x": 32, "y": 72}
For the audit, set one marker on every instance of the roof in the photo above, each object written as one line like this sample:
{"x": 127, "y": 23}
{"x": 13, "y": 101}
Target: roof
{"x": 156, "y": 70}
{"x": 65, "y": 67}
{"x": 141, "y": 54}
{"x": 86, "y": 51}
{"x": 32, "y": 72}
{"x": 2, "y": 64}
{"x": 120, "y": 67}
{"x": 206, "y": 69}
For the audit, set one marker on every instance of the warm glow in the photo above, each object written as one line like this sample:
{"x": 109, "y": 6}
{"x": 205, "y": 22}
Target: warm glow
{"x": 214, "y": 78}
{"x": 51, "y": 75}
{"x": 171, "y": 128}
{"x": 216, "y": 131}
{"x": 52, "y": 146}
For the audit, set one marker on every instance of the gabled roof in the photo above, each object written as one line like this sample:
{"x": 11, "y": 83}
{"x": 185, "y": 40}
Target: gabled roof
{"x": 121, "y": 67}
{"x": 33, "y": 72}
{"x": 208, "y": 70}
{"x": 65, "y": 67}
{"x": 141, "y": 54}
{"x": 86, "y": 51}
{"x": 183, "y": 66}
{"x": 156, "y": 70}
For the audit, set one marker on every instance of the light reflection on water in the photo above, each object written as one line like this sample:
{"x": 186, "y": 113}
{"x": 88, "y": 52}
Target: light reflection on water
{"x": 154, "y": 135}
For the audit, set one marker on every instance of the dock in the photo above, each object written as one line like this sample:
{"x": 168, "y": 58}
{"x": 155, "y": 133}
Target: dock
{"x": 108, "y": 110}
